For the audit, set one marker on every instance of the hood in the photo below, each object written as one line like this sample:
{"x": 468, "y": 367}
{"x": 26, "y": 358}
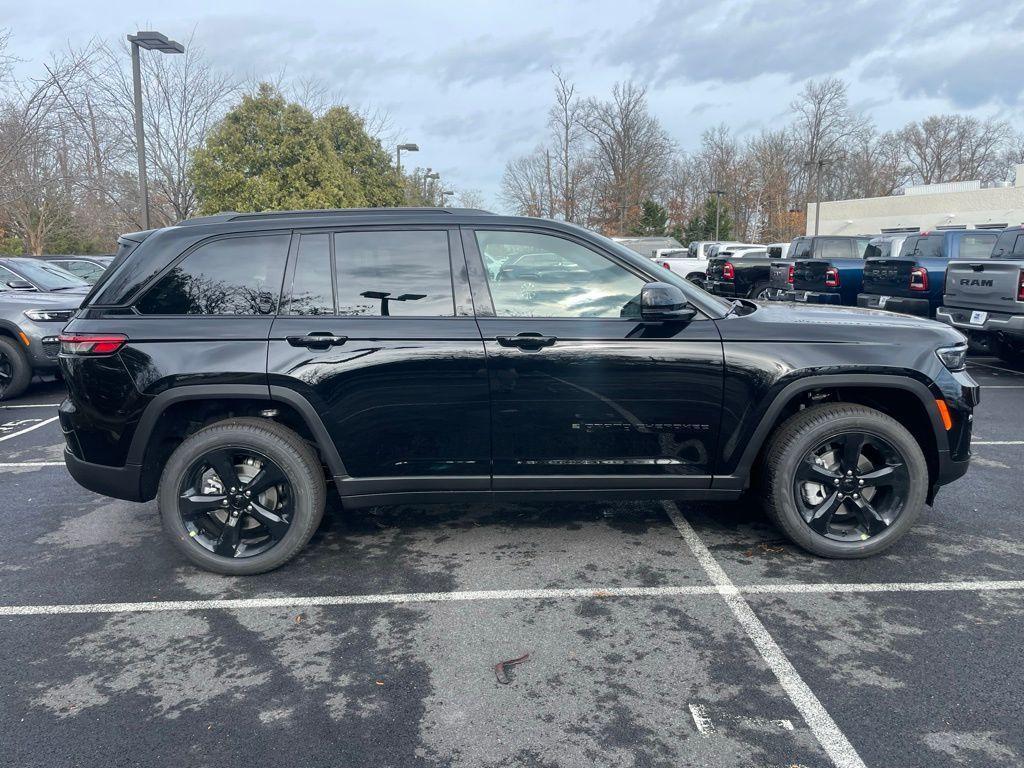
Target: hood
{"x": 785, "y": 321}
{"x": 35, "y": 299}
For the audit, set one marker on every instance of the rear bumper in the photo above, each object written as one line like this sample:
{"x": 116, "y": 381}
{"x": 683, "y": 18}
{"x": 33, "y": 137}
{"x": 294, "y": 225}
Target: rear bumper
{"x": 117, "y": 482}
{"x": 722, "y": 288}
{"x": 901, "y": 304}
{"x": 995, "y": 322}
{"x": 811, "y": 297}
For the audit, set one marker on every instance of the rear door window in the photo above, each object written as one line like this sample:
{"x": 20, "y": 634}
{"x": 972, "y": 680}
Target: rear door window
{"x": 801, "y": 248}
{"x": 393, "y": 273}
{"x": 1009, "y": 245}
{"x": 929, "y": 247}
{"x": 232, "y": 276}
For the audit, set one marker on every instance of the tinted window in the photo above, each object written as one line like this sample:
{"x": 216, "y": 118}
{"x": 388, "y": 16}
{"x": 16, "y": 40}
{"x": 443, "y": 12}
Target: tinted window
{"x": 236, "y": 276}
{"x": 1009, "y": 244}
{"x": 800, "y": 248}
{"x": 877, "y": 249}
{"x": 547, "y": 276}
{"x": 832, "y": 248}
{"x": 311, "y": 292}
{"x": 393, "y": 273}
{"x": 977, "y": 245}
{"x": 928, "y": 247}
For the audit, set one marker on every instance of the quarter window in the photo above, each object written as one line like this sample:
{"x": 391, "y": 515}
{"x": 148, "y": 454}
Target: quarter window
{"x": 311, "y": 292}
{"x": 534, "y": 275}
{"x": 235, "y": 276}
{"x": 977, "y": 246}
{"x": 405, "y": 274}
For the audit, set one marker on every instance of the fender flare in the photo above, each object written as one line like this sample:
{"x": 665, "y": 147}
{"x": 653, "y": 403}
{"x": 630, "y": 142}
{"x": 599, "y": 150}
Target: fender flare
{"x": 256, "y": 392}
{"x": 741, "y": 474}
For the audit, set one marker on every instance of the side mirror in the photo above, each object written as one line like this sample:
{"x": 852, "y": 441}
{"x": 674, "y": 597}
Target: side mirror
{"x": 20, "y": 285}
{"x": 664, "y": 301}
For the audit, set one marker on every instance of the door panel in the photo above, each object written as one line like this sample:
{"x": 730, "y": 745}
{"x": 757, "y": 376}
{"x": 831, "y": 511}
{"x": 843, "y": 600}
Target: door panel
{"x": 590, "y": 402}
{"x": 402, "y": 397}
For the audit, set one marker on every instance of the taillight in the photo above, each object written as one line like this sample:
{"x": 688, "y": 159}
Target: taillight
{"x": 665, "y": 264}
{"x": 790, "y": 278}
{"x": 728, "y": 271}
{"x": 919, "y": 279}
{"x": 831, "y": 277}
{"x": 91, "y": 343}
{"x": 1020, "y": 286}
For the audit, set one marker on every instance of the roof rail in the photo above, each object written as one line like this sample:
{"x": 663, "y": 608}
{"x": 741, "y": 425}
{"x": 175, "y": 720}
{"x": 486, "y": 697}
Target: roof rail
{"x": 326, "y": 212}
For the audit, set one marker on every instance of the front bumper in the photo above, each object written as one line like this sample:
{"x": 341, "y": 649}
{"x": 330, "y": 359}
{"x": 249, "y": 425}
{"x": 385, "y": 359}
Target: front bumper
{"x": 993, "y": 322}
{"x": 901, "y": 304}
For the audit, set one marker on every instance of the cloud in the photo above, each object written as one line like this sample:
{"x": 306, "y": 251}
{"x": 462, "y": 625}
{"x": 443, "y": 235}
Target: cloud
{"x": 486, "y": 58}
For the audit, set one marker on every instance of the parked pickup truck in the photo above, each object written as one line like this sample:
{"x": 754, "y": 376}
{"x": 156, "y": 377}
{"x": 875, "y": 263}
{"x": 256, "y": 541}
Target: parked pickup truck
{"x": 830, "y": 270}
{"x": 739, "y": 274}
{"x": 684, "y": 262}
{"x": 984, "y": 298}
{"x": 912, "y": 281}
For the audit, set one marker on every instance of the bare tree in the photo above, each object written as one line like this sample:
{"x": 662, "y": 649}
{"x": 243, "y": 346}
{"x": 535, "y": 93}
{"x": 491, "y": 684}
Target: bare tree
{"x": 955, "y": 148}
{"x": 572, "y": 174}
{"x": 525, "y": 185}
{"x": 631, "y": 152}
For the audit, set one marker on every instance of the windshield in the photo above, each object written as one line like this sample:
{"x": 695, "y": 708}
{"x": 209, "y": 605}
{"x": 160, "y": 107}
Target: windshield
{"x": 48, "y": 277}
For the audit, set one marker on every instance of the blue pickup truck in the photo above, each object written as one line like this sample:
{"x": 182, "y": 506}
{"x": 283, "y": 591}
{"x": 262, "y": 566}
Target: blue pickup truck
{"x": 912, "y": 282}
{"x": 826, "y": 270}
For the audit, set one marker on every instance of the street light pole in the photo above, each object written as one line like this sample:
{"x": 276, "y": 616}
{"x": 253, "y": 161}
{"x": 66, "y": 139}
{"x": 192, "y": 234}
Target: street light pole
{"x": 428, "y": 182}
{"x": 398, "y": 155}
{"x": 819, "y": 165}
{"x": 445, "y": 192}
{"x": 151, "y": 41}
{"x": 718, "y": 208}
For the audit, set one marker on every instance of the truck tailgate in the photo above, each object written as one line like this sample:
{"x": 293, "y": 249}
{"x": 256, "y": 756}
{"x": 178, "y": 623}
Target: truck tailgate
{"x": 809, "y": 275}
{"x": 779, "y": 275}
{"x": 889, "y": 277}
{"x": 990, "y": 284}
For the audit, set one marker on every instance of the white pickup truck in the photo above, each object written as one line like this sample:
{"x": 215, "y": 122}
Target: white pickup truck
{"x": 692, "y": 263}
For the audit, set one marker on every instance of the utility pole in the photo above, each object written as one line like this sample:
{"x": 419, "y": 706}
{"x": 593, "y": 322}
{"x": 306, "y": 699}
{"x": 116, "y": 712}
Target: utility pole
{"x": 151, "y": 41}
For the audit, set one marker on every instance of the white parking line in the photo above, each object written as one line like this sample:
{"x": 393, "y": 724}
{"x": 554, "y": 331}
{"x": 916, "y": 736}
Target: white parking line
{"x": 20, "y": 464}
{"x": 832, "y": 740}
{"x": 1002, "y": 386}
{"x": 509, "y": 594}
{"x": 995, "y": 368}
{"x": 997, "y": 442}
{"x": 42, "y": 423}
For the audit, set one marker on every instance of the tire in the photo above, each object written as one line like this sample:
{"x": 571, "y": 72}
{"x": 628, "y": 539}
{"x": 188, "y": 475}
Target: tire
{"x": 15, "y": 370}
{"x": 303, "y": 491}
{"x": 1009, "y": 352}
{"x": 758, "y": 288}
{"x": 786, "y": 463}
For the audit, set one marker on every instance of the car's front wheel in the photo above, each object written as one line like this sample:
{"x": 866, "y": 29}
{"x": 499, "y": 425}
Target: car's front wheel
{"x": 242, "y": 496}
{"x": 844, "y": 480}
{"x": 15, "y": 370}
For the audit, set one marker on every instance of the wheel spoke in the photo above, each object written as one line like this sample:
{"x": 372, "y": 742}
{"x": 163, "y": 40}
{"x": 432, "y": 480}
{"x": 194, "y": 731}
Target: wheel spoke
{"x": 276, "y": 525}
{"x": 823, "y": 513}
{"x": 871, "y": 521}
{"x": 194, "y": 504}
{"x": 268, "y": 476}
{"x": 223, "y": 463}
{"x": 810, "y": 471}
{"x": 227, "y": 543}
{"x": 883, "y": 476}
{"x": 852, "y": 444}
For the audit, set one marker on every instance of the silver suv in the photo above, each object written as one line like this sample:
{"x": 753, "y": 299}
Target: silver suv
{"x": 30, "y": 324}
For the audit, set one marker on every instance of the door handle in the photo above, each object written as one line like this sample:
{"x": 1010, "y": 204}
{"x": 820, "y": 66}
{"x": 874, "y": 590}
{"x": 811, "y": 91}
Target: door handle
{"x": 527, "y": 341}
{"x": 317, "y": 340}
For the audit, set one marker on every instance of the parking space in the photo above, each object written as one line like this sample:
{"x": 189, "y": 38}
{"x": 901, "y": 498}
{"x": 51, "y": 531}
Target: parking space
{"x": 656, "y": 635}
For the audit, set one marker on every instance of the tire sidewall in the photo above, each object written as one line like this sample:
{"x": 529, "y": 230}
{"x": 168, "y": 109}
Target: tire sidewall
{"x": 21, "y": 373}
{"x": 308, "y": 499}
{"x": 812, "y": 435}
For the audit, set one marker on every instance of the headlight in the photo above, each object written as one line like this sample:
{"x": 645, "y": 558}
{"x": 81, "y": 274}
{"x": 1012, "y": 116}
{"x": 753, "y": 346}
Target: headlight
{"x": 49, "y": 315}
{"x": 954, "y": 358}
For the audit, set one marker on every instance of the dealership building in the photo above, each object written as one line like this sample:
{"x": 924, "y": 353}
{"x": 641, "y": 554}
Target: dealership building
{"x": 956, "y": 205}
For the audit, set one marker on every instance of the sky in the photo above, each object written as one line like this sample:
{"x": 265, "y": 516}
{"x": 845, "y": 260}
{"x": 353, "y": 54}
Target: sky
{"x": 471, "y": 82}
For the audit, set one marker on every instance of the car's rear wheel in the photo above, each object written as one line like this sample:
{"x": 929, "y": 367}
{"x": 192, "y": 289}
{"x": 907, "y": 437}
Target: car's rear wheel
{"x": 760, "y": 291}
{"x": 15, "y": 371}
{"x": 242, "y": 496}
{"x": 844, "y": 481}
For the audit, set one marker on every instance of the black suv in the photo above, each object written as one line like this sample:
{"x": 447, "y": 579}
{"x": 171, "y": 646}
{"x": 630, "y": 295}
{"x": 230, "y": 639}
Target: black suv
{"x": 232, "y": 366}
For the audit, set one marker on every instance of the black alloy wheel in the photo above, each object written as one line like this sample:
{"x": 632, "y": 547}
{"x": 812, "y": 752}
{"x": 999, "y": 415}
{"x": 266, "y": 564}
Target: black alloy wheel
{"x": 851, "y": 487}
{"x": 235, "y": 502}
